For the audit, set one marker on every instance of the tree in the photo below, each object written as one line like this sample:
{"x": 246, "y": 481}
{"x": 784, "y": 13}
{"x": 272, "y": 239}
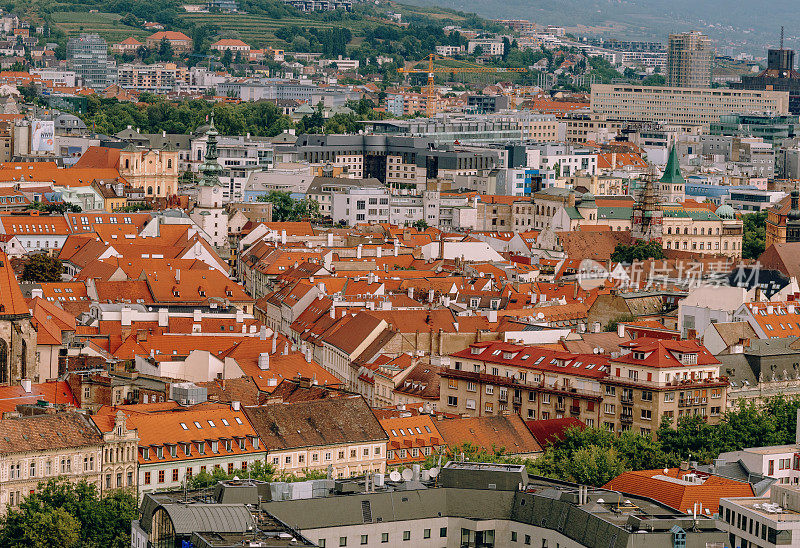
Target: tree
{"x": 63, "y": 513}
{"x": 42, "y": 268}
{"x": 282, "y": 205}
{"x": 639, "y": 251}
{"x": 420, "y": 225}
{"x": 755, "y": 234}
{"x": 227, "y": 58}
{"x": 59, "y": 207}
{"x": 165, "y": 51}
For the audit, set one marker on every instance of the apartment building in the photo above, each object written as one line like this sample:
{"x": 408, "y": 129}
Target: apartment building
{"x": 43, "y": 447}
{"x": 491, "y": 378}
{"x": 654, "y": 378}
{"x": 177, "y": 442}
{"x": 702, "y": 231}
{"x": 158, "y": 78}
{"x": 690, "y": 58}
{"x": 341, "y": 433}
{"x": 650, "y": 380}
{"x": 689, "y": 106}
{"x": 767, "y": 521}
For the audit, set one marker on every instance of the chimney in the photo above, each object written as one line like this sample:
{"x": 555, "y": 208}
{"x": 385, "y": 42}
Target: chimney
{"x": 596, "y": 327}
{"x": 263, "y": 361}
{"x": 358, "y": 251}
{"x": 621, "y": 330}
{"x": 236, "y": 406}
{"x": 197, "y": 315}
{"x": 379, "y": 252}
{"x": 126, "y": 316}
{"x": 333, "y": 312}
{"x": 274, "y": 344}
{"x": 26, "y": 386}
{"x": 285, "y": 348}
{"x": 330, "y": 239}
{"x": 163, "y": 317}
{"x": 37, "y": 292}
{"x": 396, "y": 247}
{"x": 322, "y": 288}
{"x": 239, "y": 315}
{"x": 371, "y": 278}
{"x": 177, "y": 275}
{"x": 262, "y": 333}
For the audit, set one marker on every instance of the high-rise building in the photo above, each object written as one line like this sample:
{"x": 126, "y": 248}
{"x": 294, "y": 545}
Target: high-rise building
{"x": 689, "y": 60}
{"x": 779, "y": 75}
{"x": 88, "y": 57}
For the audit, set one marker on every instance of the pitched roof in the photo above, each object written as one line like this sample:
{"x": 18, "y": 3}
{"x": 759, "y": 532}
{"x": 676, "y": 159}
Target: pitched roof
{"x": 676, "y": 492}
{"x": 672, "y": 172}
{"x": 48, "y": 432}
{"x": 551, "y": 431}
{"x": 491, "y": 433}
{"x": 55, "y": 392}
{"x": 169, "y": 35}
{"x": 315, "y": 423}
{"x": 664, "y": 353}
{"x": 410, "y": 432}
{"x": 12, "y": 302}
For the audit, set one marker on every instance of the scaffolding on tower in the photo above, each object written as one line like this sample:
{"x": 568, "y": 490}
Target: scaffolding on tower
{"x": 648, "y": 213}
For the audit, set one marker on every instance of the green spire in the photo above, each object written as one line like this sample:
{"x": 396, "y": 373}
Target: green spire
{"x": 672, "y": 173}
{"x": 210, "y": 169}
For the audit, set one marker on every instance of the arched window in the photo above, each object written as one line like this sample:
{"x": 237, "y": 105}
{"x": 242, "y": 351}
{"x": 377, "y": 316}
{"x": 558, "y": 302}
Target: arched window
{"x": 3, "y": 361}
{"x": 169, "y": 163}
{"x": 669, "y": 230}
{"x": 150, "y": 190}
{"x": 23, "y": 361}
{"x": 127, "y": 163}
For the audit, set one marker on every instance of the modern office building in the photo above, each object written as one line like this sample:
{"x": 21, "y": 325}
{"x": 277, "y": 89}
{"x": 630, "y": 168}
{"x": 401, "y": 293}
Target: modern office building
{"x": 778, "y": 76}
{"x": 772, "y": 129}
{"x": 689, "y": 60}
{"x": 88, "y": 57}
{"x": 686, "y": 106}
{"x": 467, "y": 504}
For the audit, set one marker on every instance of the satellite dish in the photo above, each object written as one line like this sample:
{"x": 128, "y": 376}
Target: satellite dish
{"x": 434, "y": 472}
{"x": 600, "y": 501}
{"x": 394, "y": 475}
{"x": 408, "y": 474}
{"x": 666, "y": 471}
{"x": 235, "y": 478}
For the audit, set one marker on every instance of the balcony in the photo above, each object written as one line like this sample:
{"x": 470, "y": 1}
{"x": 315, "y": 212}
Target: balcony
{"x": 503, "y": 396}
{"x": 560, "y": 407}
{"x": 626, "y": 419}
{"x": 626, "y": 399}
{"x": 517, "y": 400}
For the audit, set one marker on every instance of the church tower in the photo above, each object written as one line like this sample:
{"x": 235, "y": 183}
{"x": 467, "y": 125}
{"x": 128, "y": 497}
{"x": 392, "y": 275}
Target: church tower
{"x": 209, "y": 212}
{"x": 17, "y": 334}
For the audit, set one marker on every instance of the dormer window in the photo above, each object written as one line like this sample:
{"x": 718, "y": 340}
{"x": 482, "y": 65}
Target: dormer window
{"x": 201, "y": 448}
{"x": 688, "y": 359}
{"x": 639, "y": 355}
{"x": 475, "y": 350}
{"x": 215, "y": 446}
{"x": 173, "y": 451}
{"x": 146, "y": 453}
{"x": 159, "y": 452}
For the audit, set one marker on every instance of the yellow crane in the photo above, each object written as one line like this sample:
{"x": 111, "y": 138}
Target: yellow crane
{"x": 466, "y": 67}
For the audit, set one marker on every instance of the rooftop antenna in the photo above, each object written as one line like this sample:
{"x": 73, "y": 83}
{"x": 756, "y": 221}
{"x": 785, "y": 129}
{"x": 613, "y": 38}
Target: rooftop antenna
{"x": 781, "y": 36}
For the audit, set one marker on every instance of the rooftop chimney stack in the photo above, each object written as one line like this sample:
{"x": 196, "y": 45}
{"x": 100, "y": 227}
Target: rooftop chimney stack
{"x": 263, "y": 361}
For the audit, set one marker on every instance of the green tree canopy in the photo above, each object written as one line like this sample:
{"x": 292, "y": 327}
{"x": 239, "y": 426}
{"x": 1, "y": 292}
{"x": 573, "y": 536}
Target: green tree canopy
{"x": 755, "y": 234}
{"x": 639, "y": 251}
{"x": 67, "y": 514}
{"x": 42, "y": 268}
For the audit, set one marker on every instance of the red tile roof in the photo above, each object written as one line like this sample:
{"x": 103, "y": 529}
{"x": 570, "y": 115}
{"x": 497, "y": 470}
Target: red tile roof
{"x": 671, "y": 489}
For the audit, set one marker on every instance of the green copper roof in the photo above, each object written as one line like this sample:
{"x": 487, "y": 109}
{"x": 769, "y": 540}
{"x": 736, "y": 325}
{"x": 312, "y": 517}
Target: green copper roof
{"x": 672, "y": 173}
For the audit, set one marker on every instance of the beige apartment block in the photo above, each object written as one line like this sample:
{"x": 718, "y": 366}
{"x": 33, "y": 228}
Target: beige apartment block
{"x": 688, "y": 106}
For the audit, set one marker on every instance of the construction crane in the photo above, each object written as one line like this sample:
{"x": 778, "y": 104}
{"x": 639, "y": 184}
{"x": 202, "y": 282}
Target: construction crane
{"x": 432, "y": 70}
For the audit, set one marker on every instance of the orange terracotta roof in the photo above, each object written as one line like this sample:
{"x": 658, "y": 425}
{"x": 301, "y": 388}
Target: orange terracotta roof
{"x": 55, "y": 392}
{"x": 672, "y": 490}
{"x": 12, "y": 302}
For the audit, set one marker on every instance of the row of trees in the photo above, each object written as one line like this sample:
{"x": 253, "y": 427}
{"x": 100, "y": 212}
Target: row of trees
{"x": 286, "y": 208}
{"x": 69, "y": 515}
{"x": 595, "y": 456}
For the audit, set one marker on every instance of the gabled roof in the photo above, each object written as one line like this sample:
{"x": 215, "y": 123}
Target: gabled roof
{"x": 664, "y": 353}
{"x": 49, "y": 432}
{"x": 491, "y": 433}
{"x": 317, "y": 423}
{"x": 12, "y": 303}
